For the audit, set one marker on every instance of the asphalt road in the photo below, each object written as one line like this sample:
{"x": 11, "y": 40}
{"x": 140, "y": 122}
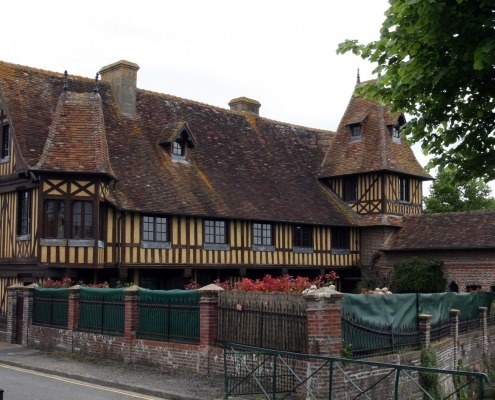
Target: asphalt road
{"x": 24, "y": 384}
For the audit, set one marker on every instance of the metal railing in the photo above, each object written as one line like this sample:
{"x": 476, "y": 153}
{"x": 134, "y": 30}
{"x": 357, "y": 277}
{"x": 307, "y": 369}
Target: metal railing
{"x": 101, "y": 311}
{"x": 363, "y": 340}
{"x": 169, "y": 322}
{"x": 278, "y": 375}
{"x": 50, "y": 307}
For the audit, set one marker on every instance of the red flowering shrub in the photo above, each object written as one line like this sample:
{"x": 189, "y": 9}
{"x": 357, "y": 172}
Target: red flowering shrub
{"x": 284, "y": 283}
{"x": 68, "y": 282}
{"x": 64, "y": 283}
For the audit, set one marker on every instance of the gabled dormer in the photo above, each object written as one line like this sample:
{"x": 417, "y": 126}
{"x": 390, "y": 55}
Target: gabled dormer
{"x": 177, "y": 139}
{"x": 369, "y": 166}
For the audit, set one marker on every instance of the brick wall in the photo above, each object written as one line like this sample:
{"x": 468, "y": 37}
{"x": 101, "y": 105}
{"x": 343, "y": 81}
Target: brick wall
{"x": 324, "y": 338}
{"x": 464, "y": 268}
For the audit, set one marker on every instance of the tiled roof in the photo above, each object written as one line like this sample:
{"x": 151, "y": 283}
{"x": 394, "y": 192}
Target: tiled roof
{"x": 76, "y": 140}
{"x": 445, "y": 231}
{"x": 242, "y": 166}
{"x": 376, "y": 151}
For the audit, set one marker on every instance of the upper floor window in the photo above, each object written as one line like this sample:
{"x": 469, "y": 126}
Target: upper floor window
{"x": 23, "y": 213}
{"x": 54, "y": 219}
{"x": 404, "y": 189}
{"x": 155, "y": 229}
{"x": 5, "y": 142}
{"x": 262, "y": 234}
{"x": 179, "y": 148}
{"x": 356, "y": 132}
{"x": 349, "y": 189}
{"x": 82, "y": 220}
{"x": 341, "y": 238}
{"x": 177, "y": 138}
{"x": 303, "y": 236}
{"x": 396, "y": 133}
{"x": 215, "y": 232}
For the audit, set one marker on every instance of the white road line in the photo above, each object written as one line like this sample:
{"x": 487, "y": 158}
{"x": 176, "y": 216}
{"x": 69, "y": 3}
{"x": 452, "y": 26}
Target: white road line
{"x": 79, "y": 383}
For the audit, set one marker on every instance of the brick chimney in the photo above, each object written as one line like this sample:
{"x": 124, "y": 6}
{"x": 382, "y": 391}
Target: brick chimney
{"x": 122, "y": 77}
{"x": 245, "y": 104}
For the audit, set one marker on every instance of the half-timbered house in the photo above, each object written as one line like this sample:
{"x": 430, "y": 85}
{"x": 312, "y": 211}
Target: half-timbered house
{"x": 100, "y": 180}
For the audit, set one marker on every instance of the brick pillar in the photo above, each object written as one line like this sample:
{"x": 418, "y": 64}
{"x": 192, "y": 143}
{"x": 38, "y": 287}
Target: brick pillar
{"x": 324, "y": 323}
{"x": 73, "y": 308}
{"x": 208, "y": 314}
{"x": 131, "y": 300}
{"x": 484, "y": 328}
{"x": 131, "y": 320}
{"x": 454, "y": 332}
{"x": 12, "y": 296}
{"x": 27, "y": 314}
{"x": 424, "y": 329}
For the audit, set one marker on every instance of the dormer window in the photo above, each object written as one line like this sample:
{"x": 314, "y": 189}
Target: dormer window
{"x": 179, "y": 147}
{"x": 396, "y": 133}
{"x": 356, "y": 132}
{"x": 178, "y": 138}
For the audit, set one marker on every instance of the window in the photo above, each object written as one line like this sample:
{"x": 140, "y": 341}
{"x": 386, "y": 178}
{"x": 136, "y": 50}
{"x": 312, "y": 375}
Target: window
{"x": 341, "y": 238}
{"x": 23, "y": 213}
{"x": 404, "y": 189}
{"x": 215, "y": 232}
{"x": 355, "y": 132}
{"x": 178, "y": 148}
{"x": 349, "y": 192}
{"x": 82, "y": 220}
{"x": 102, "y": 225}
{"x": 262, "y": 234}
{"x": 4, "y": 142}
{"x": 396, "y": 133}
{"x": 303, "y": 236}
{"x": 155, "y": 229}
{"x": 54, "y": 219}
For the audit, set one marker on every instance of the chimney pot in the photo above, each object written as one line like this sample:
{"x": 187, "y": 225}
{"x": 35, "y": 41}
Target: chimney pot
{"x": 246, "y": 105}
{"x": 122, "y": 77}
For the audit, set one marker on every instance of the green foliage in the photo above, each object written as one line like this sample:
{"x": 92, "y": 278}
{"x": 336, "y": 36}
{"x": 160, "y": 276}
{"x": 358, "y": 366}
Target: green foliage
{"x": 465, "y": 387}
{"x": 346, "y": 351}
{"x": 419, "y": 276}
{"x": 435, "y": 61}
{"x": 447, "y": 195}
{"x": 429, "y": 380}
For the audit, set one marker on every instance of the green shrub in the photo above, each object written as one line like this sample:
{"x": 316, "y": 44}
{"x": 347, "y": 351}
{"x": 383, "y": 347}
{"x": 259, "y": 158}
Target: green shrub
{"x": 429, "y": 380}
{"x": 419, "y": 276}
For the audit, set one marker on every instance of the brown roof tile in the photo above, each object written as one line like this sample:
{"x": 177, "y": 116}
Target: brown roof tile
{"x": 376, "y": 151}
{"x": 445, "y": 231}
{"x": 76, "y": 139}
{"x": 242, "y": 166}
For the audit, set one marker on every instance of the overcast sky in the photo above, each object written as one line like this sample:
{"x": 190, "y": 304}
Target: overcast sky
{"x": 279, "y": 52}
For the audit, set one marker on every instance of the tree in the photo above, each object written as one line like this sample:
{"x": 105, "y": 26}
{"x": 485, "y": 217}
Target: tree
{"x": 447, "y": 195}
{"x": 436, "y": 62}
{"x": 418, "y": 276}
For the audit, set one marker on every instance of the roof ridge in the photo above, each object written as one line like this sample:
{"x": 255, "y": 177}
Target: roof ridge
{"x": 222, "y": 109}
{"x": 44, "y": 71}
